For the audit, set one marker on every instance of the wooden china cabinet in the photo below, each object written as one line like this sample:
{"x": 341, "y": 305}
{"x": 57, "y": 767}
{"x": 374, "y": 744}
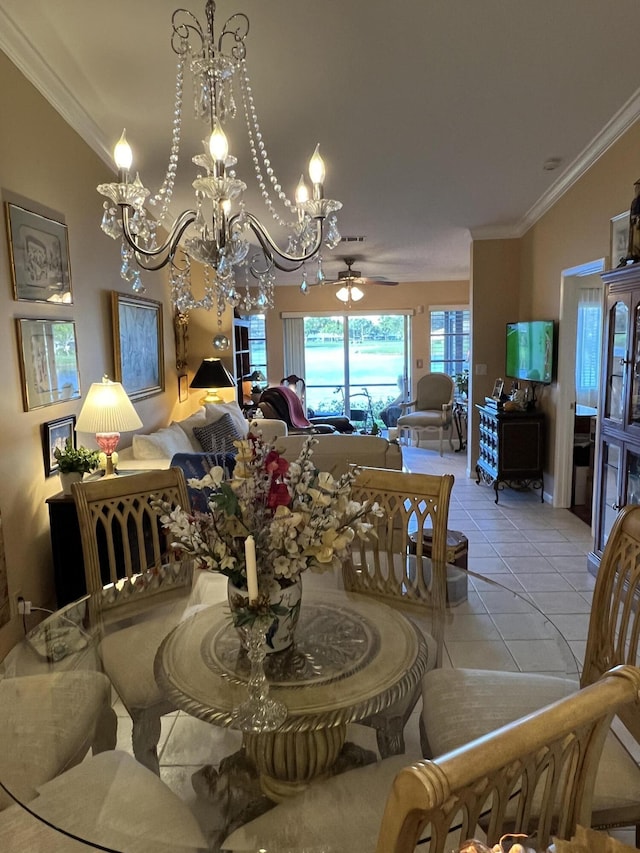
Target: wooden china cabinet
{"x": 618, "y": 469}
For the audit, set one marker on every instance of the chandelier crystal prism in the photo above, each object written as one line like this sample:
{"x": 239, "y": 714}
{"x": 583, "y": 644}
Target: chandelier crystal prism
{"x": 219, "y": 232}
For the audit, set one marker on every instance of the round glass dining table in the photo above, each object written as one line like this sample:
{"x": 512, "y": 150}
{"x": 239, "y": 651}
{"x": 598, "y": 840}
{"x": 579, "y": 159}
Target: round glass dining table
{"x": 353, "y": 660}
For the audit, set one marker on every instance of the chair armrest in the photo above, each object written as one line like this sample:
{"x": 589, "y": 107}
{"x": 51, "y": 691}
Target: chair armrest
{"x": 408, "y": 405}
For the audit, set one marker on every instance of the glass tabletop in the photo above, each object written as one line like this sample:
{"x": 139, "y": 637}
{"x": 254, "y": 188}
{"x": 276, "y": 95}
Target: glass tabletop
{"x": 56, "y": 698}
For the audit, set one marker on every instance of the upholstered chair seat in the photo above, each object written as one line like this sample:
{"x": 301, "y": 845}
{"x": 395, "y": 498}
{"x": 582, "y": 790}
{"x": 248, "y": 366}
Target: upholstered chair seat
{"x": 110, "y": 800}
{"x": 47, "y": 724}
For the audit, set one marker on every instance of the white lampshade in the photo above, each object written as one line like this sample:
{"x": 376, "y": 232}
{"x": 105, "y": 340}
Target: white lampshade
{"x": 107, "y": 409}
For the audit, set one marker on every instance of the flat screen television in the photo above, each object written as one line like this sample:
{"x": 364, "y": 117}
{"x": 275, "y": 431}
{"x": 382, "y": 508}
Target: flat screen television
{"x": 530, "y": 351}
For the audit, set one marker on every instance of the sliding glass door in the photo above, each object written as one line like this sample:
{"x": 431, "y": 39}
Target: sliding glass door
{"x": 355, "y": 365}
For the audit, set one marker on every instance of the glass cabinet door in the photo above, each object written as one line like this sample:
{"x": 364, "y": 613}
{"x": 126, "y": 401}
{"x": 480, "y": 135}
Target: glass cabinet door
{"x": 632, "y": 467}
{"x": 617, "y": 362}
{"x": 634, "y": 414}
{"x": 610, "y": 460}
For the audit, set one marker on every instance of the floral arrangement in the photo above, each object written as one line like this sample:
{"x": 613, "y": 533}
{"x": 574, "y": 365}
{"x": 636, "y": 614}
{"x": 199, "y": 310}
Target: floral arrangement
{"x": 300, "y": 518}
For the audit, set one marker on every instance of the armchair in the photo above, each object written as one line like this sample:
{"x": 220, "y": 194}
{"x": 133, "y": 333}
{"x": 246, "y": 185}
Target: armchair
{"x": 432, "y": 407}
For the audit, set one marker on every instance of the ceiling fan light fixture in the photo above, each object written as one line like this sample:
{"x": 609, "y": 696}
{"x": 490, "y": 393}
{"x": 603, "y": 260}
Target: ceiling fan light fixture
{"x": 349, "y": 293}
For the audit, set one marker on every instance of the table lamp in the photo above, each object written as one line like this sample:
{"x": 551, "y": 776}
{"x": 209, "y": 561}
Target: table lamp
{"x": 107, "y": 412}
{"x": 212, "y": 375}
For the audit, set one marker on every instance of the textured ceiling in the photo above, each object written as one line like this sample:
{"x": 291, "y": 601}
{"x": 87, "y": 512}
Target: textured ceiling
{"x": 434, "y": 118}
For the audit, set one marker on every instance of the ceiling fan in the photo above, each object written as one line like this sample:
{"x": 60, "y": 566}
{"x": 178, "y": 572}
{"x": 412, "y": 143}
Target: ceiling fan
{"x": 351, "y": 282}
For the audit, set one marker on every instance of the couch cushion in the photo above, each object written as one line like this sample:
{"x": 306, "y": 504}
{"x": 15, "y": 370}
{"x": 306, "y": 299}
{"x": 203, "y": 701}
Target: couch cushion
{"x": 198, "y": 418}
{"x": 162, "y": 444}
{"x": 218, "y": 437}
{"x": 214, "y": 411}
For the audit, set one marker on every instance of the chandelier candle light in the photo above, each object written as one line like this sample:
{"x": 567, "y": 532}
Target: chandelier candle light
{"x": 211, "y": 233}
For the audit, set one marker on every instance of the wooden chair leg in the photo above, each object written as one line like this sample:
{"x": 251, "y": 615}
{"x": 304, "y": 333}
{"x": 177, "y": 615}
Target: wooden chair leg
{"x": 144, "y": 739}
{"x": 106, "y": 732}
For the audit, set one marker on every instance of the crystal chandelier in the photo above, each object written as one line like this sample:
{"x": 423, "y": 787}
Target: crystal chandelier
{"x": 212, "y": 233}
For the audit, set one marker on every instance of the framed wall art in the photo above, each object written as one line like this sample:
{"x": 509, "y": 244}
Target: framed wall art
{"x": 5, "y": 605}
{"x": 138, "y": 344}
{"x": 39, "y": 254}
{"x": 48, "y": 362}
{"x": 619, "y": 238}
{"x": 498, "y": 386}
{"x": 183, "y": 388}
{"x": 55, "y": 434}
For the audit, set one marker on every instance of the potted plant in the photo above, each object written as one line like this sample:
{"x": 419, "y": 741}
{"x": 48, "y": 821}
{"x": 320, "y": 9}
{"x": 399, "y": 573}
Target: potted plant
{"x": 74, "y": 463}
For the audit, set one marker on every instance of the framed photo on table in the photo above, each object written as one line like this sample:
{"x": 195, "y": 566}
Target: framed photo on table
{"x": 498, "y": 385}
{"x": 55, "y": 434}
{"x": 39, "y": 254}
{"x": 138, "y": 344}
{"x": 48, "y": 362}
{"x": 619, "y": 238}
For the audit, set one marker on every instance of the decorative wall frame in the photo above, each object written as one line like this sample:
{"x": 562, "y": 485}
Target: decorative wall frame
{"x": 183, "y": 388}
{"x": 55, "y": 434}
{"x": 138, "y": 344}
{"x": 619, "y": 238}
{"x": 48, "y": 362}
{"x": 181, "y": 333}
{"x": 5, "y": 602}
{"x": 39, "y": 253}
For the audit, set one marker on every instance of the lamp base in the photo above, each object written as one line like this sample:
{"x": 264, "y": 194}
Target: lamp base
{"x": 211, "y": 396}
{"x": 107, "y": 442}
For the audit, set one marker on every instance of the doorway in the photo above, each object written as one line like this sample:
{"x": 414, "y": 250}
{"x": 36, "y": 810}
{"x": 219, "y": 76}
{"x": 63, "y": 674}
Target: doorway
{"x": 574, "y": 444}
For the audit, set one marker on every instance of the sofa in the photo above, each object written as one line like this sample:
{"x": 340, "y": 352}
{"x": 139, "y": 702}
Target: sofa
{"x": 334, "y": 452}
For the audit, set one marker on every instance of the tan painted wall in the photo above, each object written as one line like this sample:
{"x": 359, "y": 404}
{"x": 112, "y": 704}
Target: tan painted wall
{"x": 575, "y": 231}
{"x": 415, "y": 295}
{"x": 42, "y": 160}
{"x": 495, "y": 289}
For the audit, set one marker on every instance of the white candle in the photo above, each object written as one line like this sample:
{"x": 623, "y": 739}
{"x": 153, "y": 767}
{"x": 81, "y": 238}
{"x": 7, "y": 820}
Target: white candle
{"x": 252, "y": 572}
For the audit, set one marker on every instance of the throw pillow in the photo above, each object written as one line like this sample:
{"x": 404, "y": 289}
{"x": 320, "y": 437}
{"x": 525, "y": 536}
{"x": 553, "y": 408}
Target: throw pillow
{"x": 214, "y": 411}
{"x": 161, "y": 444}
{"x": 218, "y": 437}
{"x": 198, "y": 418}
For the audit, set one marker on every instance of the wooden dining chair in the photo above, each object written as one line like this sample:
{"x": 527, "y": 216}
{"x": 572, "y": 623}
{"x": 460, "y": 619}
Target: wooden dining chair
{"x": 392, "y": 567}
{"x": 535, "y": 775}
{"x": 130, "y": 569}
{"x": 492, "y": 698}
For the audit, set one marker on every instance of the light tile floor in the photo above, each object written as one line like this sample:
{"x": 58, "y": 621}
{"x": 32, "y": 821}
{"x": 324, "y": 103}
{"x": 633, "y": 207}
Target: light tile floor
{"x": 527, "y": 546}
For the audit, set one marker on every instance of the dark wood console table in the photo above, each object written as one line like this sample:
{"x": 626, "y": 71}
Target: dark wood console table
{"x": 511, "y": 449}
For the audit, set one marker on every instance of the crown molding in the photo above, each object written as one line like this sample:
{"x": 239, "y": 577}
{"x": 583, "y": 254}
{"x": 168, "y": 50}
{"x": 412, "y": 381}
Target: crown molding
{"x": 610, "y": 133}
{"x": 21, "y": 52}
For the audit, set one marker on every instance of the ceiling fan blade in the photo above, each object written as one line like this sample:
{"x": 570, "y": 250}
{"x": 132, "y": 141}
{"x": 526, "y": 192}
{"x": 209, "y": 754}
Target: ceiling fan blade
{"x": 379, "y": 281}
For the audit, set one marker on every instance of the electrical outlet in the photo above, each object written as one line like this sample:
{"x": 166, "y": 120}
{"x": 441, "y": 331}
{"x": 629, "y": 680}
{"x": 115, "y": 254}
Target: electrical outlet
{"x": 24, "y": 606}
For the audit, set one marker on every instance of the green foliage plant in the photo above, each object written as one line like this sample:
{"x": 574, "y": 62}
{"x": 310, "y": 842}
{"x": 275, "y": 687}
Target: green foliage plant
{"x": 79, "y": 459}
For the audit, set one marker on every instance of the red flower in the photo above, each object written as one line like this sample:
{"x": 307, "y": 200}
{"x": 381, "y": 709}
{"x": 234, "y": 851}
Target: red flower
{"x": 275, "y": 464}
{"x": 278, "y": 495}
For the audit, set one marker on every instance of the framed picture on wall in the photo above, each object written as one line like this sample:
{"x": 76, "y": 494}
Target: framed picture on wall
{"x": 55, "y": 434}
{"x": 48, "y": 362}
{"x": 138, "y": 344}
{"x": 183, "y": 388}
{"x": 39, "y": 254}
{"x": 619, "y": 238}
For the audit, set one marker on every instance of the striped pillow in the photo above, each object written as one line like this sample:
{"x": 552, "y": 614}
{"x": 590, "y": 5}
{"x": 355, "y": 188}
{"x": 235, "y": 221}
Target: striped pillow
{"x": 218, "y": 437}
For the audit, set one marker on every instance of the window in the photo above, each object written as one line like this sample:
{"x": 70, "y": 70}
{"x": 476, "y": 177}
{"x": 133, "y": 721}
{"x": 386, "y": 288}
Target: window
{"x": 257, "y": 342}
{"x": 352, "y": 365}
{"x": 588, "y": 346}
{"x": 450, "y": 340}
